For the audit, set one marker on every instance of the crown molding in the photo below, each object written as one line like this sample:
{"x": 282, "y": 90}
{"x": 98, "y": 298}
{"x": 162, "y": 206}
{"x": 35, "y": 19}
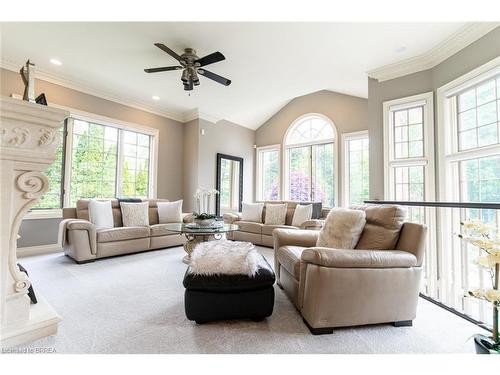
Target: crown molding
{"x": 197, "y": 114}
{"x": 447, "y": 48}
{"x": 81, "y": 87}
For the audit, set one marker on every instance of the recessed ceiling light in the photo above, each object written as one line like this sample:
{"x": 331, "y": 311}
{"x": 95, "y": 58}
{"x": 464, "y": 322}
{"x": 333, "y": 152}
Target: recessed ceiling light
{"x": 55, "y": 62}
{"x": 400, "y": 49}
{"x": 155, "y": 97}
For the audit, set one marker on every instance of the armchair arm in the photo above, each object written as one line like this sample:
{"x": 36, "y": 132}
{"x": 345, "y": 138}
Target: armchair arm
{"x": 231, "y": 217}
{"x": 347, "y": 258}
{"x": 294, "y": 237}
{"x": 78, "y": 238}
{"x": 313, "y": 224}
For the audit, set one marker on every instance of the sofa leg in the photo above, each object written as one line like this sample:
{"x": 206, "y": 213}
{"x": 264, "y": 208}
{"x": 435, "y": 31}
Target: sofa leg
{"x": 403, "y": 323}
{"x": 84, "y": 261}
{"x": 318, "y": 331}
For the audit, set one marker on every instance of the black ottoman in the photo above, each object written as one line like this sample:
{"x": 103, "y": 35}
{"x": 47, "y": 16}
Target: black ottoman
{"x": 221, "y": 297}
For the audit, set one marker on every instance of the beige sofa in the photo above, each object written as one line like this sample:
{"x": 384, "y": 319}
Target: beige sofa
{"x": 262, "y": 234}
{"x": 378, "y": 282}
{"x": 83, "y": 242}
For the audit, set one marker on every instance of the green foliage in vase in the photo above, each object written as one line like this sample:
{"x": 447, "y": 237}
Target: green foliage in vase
{"x": 204, "y": 216}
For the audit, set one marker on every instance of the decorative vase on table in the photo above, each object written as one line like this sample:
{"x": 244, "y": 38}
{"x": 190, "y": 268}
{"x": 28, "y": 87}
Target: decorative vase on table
{"x": 203, "y": 217}
{"x": 484, "y": 238}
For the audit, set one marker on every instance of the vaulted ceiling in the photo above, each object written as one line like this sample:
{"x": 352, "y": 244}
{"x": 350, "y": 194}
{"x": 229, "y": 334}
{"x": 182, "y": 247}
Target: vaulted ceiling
{"x": 268, "y": 63}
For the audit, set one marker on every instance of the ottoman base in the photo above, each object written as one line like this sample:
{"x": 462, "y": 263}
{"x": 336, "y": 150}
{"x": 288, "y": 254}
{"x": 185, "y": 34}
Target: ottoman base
{"x": 208, "y": 306}
{"x": 225, "y": 297}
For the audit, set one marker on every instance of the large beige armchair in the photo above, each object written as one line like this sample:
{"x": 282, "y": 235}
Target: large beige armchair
{"x": 378, "y": 282}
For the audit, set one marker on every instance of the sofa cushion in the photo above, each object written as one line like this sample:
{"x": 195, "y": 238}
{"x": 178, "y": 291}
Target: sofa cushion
{"x": 252, "y": 212}
{"x": 383, "y": 224}
{"x": 302, "y": 214}
{"x": 268, "y": 229}
{"x": 122, "y": 234}
{"x": 248, "y": 226}
{"x": 160, "y": 230}
{"x": 101, "y": 213}
{"x": 289, "y": 258}
{"x": 170, "y": 212}
{"x": 275, "y": 214}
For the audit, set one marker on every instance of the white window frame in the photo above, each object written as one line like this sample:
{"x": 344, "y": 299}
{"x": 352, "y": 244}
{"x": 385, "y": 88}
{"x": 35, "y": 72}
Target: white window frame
{"x": 345, "y": 170}
{"x": 258, "y": 176}
{"x": 285, "y": 155}
{"x": 448, "y": 153}
{"x": 106, "y": 121}
{"x": 426, "y": 160}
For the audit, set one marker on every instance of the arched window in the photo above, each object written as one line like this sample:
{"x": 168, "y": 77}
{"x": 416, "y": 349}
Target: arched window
{"x": 310, "y": 160}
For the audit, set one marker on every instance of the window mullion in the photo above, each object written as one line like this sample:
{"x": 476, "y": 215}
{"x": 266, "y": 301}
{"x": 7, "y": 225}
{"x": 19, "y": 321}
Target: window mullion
{"x": 68, "y": 162}
{"x": 119, "y": 165}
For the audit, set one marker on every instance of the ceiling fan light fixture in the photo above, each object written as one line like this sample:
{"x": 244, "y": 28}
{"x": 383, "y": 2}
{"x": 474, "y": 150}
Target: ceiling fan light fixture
{"x": 190, "y": 65}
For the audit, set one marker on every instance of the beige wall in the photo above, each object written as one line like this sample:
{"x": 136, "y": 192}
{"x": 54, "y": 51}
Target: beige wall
{"x": 469, "y": 58}
{"x": 348, "y": 113}
{"x": 200, "y": 153}
{"x": 227, "y": 138}
{"x": 191, "y": 148}
{"x": 170, "y": 140}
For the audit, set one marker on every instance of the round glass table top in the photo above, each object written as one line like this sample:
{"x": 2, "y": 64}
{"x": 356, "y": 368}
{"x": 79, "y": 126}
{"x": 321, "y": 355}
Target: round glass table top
{"x": 183, "y": 228}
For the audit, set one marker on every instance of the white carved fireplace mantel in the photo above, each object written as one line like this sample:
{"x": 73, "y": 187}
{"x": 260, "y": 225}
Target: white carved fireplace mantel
{"x": 29, "y": 135}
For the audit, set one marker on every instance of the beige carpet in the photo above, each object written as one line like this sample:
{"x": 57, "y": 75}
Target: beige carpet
{"x": 134, "y": 304}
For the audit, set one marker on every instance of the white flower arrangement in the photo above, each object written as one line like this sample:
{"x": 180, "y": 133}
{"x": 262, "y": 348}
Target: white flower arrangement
{"x": 483, "y": 237}
{"x": 204, "y": 197}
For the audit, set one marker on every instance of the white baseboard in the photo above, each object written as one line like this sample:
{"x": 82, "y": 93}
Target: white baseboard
{"x": 38, "y": 250}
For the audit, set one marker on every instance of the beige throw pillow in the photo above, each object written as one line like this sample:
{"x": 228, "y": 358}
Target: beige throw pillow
{"x": 342, "y": 228}
{"x": 301, "y": 214}
{"x": 275, "y": 214}
{"x": 252, "y": 212}
{"x": 170, "y": 212}
{"x": 135, "y": 214}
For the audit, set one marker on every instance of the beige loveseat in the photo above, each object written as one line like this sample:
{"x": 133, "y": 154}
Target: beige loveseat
{"x": 262, "y": 234}
{"x": 377, "y": 282}
{"x": 83, "y": 242}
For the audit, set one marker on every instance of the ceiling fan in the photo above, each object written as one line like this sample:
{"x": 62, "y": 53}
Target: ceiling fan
{"x": 191, "y": 65}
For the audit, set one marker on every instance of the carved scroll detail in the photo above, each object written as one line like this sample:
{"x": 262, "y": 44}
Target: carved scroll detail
{"x": 34, "y": 184}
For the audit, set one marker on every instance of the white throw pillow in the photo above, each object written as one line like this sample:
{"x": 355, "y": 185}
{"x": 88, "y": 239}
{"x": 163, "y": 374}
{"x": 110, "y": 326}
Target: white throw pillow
{"x": 342, "y": 228}
{"x": 303, "y": 212}
{"x": 170, "y": 212}
{"x": 101, "y": 213}
{"x": 135, "y": 214}
{"x": 276, "y": 214}
{"x": 252, "y": 212}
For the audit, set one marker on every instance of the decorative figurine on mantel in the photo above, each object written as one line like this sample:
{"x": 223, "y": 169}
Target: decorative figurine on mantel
{"x": 28, "y": 75}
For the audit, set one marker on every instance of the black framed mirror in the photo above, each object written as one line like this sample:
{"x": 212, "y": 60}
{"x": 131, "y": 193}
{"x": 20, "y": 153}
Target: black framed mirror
{"x": 229, "y": 183}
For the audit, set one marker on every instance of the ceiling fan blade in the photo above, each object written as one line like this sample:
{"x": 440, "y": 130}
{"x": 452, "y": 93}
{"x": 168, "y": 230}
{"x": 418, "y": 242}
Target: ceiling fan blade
{"x": 210, "y": 59}
{"x": 169, "y": 51}
{"x": 214, "y": 77}
{"x": 162, "y": 69}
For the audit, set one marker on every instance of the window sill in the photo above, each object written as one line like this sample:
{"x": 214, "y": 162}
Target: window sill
{"x": 44, "y": 214}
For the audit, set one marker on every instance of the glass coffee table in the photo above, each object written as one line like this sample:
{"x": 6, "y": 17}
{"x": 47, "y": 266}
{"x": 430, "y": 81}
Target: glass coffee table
{"x": 195, "y": 235}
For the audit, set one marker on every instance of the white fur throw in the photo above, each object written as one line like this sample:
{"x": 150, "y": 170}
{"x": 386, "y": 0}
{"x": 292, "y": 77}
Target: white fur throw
{"x": 225, "y": 257}
{"x": 342, "y": 228}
